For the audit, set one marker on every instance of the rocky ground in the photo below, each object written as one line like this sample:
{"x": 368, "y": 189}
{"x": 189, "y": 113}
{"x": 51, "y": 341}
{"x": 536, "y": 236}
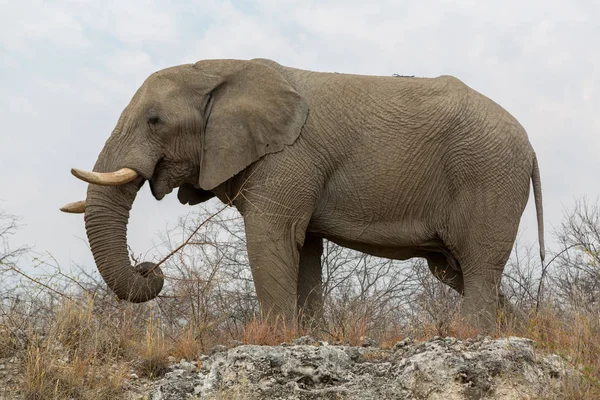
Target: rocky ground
{"x": 442, "y": 368}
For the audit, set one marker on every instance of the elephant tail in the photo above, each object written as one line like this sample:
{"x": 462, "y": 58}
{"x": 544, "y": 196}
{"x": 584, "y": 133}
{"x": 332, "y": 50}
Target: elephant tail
{"x": 537, "y": 194}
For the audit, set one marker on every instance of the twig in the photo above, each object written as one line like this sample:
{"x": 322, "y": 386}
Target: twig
{"x": 189, "y": 239}
{"x": 545, "y": 269}
{"x": 43, "y": 284}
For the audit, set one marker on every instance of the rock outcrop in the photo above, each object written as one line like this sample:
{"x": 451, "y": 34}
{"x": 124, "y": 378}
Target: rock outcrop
{"x": 442, "y": 368}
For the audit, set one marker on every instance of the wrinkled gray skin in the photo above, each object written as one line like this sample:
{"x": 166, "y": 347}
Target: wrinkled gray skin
{"x": 397, "y": 167}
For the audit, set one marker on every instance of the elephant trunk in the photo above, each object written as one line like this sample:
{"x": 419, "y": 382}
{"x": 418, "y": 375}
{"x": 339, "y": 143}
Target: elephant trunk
{"x": 106, "y": 216}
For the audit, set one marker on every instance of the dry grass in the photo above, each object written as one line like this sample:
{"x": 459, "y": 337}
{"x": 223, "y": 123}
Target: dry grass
{"x": 87, "y": 346}
{"x": 264, "y": 332}
{"x": 575, "y": 337}
{"x": 153, "y": 351}
{"x": 88, "y": 351}
{"x": 49, "y": 375}
{"x": 187, "y": 345}
{"x": 76, "y": 358}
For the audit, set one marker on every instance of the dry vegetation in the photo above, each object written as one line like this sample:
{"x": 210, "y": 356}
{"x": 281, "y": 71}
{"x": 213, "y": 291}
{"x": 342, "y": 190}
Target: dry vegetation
{"x": 70, "y": 338}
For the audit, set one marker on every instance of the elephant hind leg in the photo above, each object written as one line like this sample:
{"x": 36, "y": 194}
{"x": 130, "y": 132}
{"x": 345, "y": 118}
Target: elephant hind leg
{"x": 439, "y": 266}
{"x": 482, "y": 255}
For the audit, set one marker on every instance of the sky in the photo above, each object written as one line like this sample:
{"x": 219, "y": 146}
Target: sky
{"x": 68, "y": 68}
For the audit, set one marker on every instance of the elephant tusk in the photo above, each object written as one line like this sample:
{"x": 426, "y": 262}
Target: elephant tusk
{"x": 74, "y": 208}
{"x": 124, "y": 175}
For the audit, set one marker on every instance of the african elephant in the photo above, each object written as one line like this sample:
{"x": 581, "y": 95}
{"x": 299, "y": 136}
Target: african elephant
{"x": 396, "y": 167}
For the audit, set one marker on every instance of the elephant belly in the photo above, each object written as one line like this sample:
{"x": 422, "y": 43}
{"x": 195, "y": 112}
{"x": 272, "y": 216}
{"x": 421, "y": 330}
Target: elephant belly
{"x": 392, "y": 252}
{"x": 399, "y": 241}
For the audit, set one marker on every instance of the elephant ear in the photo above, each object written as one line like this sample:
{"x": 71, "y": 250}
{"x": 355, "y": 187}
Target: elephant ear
{"x": 253, "y": 111}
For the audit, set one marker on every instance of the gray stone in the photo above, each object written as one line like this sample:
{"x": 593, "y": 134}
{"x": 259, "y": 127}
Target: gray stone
{"x": 305, "y": 340}
{"x": 443, "y": 368}
{"x": 368, "y": 342}
{"x": 217, "y": 349}
{"x": 187, "y": 366}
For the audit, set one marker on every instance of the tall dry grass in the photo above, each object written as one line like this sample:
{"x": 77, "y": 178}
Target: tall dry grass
{"x": 77, "y": 355}
{"x": 85, "y": 354}
{"x": 73, "y": 339}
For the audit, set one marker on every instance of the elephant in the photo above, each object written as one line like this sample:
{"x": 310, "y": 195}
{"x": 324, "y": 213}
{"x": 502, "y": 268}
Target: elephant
{"x": 393, "y": 166}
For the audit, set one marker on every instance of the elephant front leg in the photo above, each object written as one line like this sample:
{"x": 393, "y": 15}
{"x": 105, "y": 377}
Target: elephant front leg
{"x": 273, "y": 252}
{"x": 310, "y": 282}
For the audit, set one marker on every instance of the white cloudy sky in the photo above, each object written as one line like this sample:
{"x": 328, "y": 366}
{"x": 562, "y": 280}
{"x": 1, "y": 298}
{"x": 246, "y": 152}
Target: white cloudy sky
{"x": 68, "y": 67}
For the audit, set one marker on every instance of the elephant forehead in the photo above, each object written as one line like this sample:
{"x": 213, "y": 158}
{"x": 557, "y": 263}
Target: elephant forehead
{"x": 163, "y": 96}
{"x": 159, "y": 85}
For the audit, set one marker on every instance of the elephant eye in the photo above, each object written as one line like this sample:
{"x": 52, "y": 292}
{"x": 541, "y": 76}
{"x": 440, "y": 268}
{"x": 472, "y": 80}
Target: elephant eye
{"x": 153, "y": 118}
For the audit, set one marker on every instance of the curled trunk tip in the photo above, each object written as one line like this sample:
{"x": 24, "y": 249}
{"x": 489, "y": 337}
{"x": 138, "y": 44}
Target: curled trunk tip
{"x": 146, "y": 288}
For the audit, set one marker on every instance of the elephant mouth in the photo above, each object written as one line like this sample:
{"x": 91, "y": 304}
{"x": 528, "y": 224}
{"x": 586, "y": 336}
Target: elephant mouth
{"x": 159, "y": 188}
{"x": 167, "y": 176}
{"x": 160, "y": 184}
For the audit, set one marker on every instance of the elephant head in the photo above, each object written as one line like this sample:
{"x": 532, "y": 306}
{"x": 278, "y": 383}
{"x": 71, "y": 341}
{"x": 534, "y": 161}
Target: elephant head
{"x": 194, "y": 127}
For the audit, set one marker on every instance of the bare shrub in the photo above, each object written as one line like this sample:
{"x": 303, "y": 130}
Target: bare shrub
{"x": 436, "y": 305}
{"x": 209, "y": 299}
{"x": 211, "y": 295}
{"x": 522, "y": 276}
{"x": 364, "y": 296}
{"x": 8, "y": 256}
{"x": 575, "y": 279}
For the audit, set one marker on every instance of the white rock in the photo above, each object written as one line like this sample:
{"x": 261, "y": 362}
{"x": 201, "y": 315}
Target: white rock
{"x": 439, "y": 369}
